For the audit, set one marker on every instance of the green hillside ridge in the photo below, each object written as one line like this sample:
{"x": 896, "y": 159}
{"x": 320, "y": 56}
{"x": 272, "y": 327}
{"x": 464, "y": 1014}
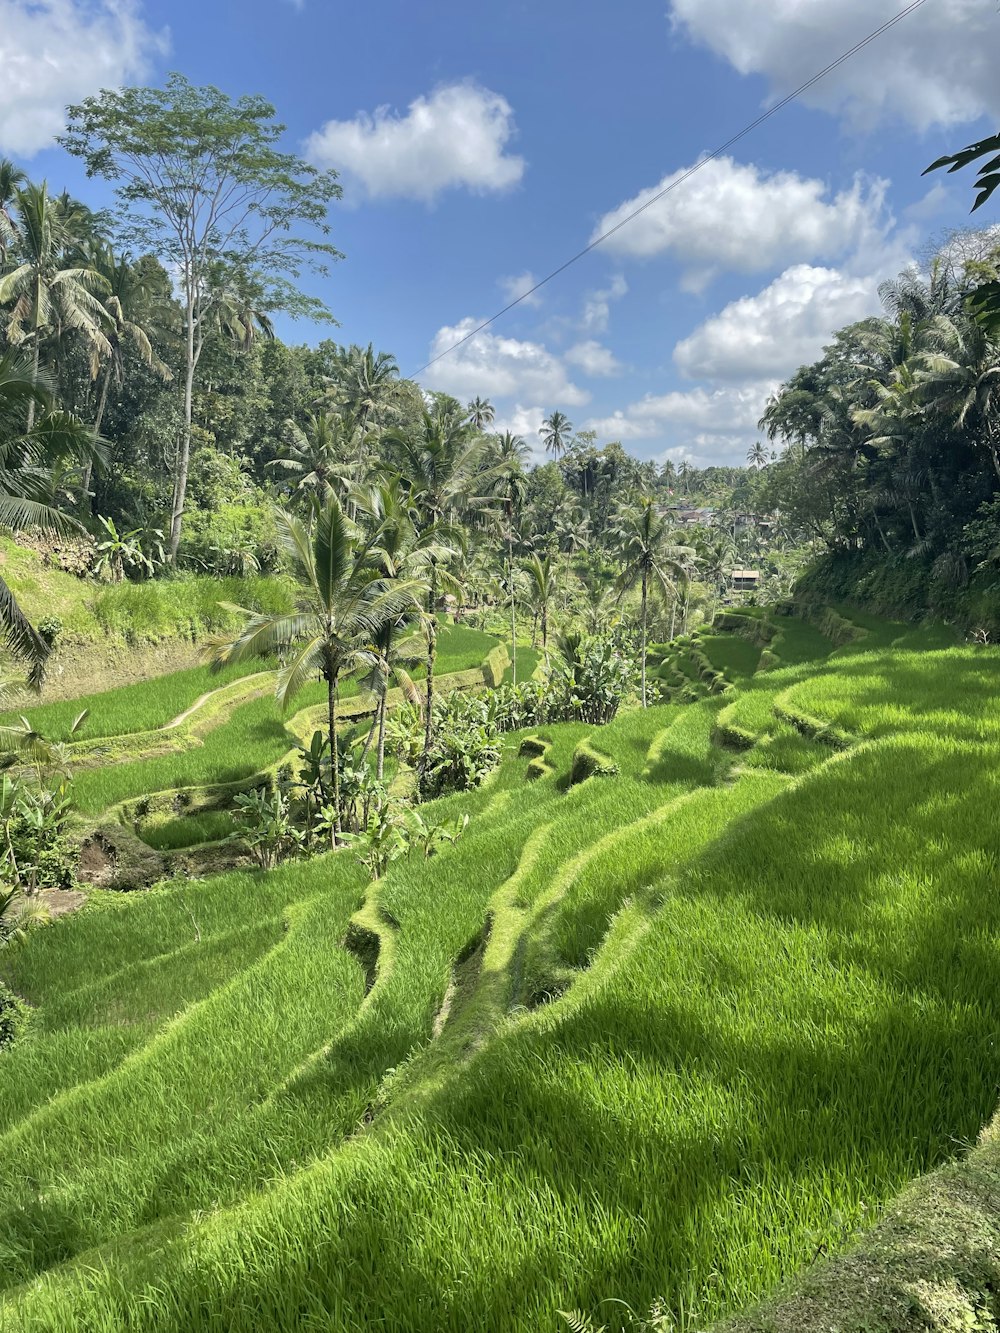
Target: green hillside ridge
{"x": 660, "y": 1035}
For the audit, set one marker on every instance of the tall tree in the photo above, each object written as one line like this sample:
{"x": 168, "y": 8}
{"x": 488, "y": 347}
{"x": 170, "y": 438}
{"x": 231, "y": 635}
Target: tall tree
{"x": 204, "y": 186}
{"x": 45, "y": 289}
{"x": 437, "y": 463}
{"x": 481, "y": 413}
{"x": 12, "y": 179}
{"x": 508, "y": 484}
{"x": 542, "y": 590}
{"x": 345, "y": 604}
{"x": 757, "y": 455}
{"x": 128, "y": 302}
{"x": 29, "y": 460}
{"x": 653, "y": 560}
{"x": 555, "y": 432}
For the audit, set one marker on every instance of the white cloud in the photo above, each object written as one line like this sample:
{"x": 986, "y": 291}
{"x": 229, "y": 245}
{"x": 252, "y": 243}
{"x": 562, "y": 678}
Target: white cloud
{"x": 936, "y": 67}
{"x": 518, "y": 286}
{"x": 718, "y": 411}
{"x": 455, "y": 137}
{"x": 784, "y": 326}
{"x": 526, "y": 422}
{"x": 54, "y": 52}
{"x": 736, "y": 217}
{"x": 495, "y": 366}
{"x": 593, "y": 358}
{"x": 597, "y": 305}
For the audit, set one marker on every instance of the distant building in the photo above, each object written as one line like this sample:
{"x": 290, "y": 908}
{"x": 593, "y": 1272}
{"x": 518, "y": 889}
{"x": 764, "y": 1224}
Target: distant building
{"x": 691, "y": 517}
{"x": 745, "y": 580}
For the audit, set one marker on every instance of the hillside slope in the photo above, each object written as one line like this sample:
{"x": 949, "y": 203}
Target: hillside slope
{"x": 663, "y": 1035}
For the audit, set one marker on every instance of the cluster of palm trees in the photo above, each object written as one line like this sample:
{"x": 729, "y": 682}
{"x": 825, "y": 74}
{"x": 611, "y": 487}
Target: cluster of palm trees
{"x": 372, "y": 568}
{"x": 63, "y": 291}
{"x": 893, "y": 437}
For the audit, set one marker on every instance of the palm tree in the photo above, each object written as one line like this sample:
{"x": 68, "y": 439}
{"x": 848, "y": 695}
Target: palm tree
{"x": 508, "y": 484}
{"x": 652, "y": 559}
{"x": 481, "y": 413}
{"x": 12, "y": 179}
{"x": 757, "y": 455}
{"x": 542, "y": 590}
{"x": 715, "y": 556}
{"x": 126, "y": 302}
{"x": 44, "y": 291}
{"x": 508, "y": 448}
{"x": 365, "y": 386}
{"x": 28, "y": 459}
{"x": 961, "y": 381}
{"x": 319, "y": 457}
{"x": 437, "y": 463}
{"x": 555, "y": 433}
{"x": 571, "y": 527}
{"x": 401, "y": 552}
{"x": 345, "y": 604}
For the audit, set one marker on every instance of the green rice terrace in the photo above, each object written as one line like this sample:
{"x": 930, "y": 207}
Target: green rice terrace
{"x": 672, "y": 1027}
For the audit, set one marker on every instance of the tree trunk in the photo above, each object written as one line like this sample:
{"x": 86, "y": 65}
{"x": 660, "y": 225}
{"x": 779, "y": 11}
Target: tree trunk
{"x": 673, "y": 615}
{"x": 184, "y": 456}
{"x": 34, "y": 380}
{"x": 431, "y": 652}
{"x": 331, "y": 714}
{"x": 644, "y": 608}
{"x": 513, "y": 606}
{"x": 380, "y": 769}
{"x": 98, "y": 420}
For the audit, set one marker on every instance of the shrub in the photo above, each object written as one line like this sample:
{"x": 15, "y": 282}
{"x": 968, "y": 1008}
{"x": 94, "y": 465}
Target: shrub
{"x": 33, "y": 822}
{"x": 14, "y": 1014}
{"x": 589, "y": 680}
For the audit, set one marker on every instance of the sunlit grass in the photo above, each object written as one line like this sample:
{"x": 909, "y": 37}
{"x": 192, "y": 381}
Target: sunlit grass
{"x": 667, "y": 1034}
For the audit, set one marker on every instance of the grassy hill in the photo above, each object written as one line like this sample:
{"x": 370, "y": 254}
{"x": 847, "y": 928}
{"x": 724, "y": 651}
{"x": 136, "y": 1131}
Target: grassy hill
{"x": 663, "y": 1036}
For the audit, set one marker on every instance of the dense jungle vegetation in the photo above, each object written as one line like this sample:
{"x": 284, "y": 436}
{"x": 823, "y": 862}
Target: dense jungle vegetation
{"x": 476, "y": 907}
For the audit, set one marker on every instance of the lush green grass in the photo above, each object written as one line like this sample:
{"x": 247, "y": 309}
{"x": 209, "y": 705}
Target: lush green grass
{"x": 667, "y": 1034}
{"x": 188, "y": 604}
{"x": 253, "y": 738}
{"x": 145, "y": 706}
{"x": 527, "y": 660}
{"x": 735, "y": 657}
{"x": 189, "y": 830}
{"x": 248, "y": 738}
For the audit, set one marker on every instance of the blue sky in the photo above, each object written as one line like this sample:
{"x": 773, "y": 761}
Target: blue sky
{"x": 480, "y": 143}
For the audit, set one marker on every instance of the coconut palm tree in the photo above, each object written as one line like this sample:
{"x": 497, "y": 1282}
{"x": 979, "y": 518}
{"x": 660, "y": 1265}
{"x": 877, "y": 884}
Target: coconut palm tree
{"x": 481, "y": 413}
{"x": 960, "y": 381}
{"x": 365, "y": 386}
{"x": 572, "y": 528}
{"x": 29, "y": 464}
{"x": 757, "y": 455}
{"x": 12, "y": 179}
{"x": 715, "y": 555}
{"x": 438, "y": 464}
{"x": 44, "y": 291}
{"x": 652, "y": 559}
{"x": 542, "y": 591}
{"x": 509, "y": 486}
{"x": 555, "y": 432}
{"x": 345, "y": 603}
{"x": 126, "y": 302}
{"x": 400, "y": 551}
{"x": 321, "y": 457}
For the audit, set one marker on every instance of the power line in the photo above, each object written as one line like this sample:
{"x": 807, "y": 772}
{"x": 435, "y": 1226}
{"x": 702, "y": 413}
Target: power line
{"x": 685, "y": 176}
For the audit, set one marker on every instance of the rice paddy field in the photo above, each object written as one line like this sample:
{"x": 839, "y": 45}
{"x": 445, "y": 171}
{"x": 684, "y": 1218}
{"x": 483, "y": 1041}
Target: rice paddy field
{"x": 659, "y": 1038}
